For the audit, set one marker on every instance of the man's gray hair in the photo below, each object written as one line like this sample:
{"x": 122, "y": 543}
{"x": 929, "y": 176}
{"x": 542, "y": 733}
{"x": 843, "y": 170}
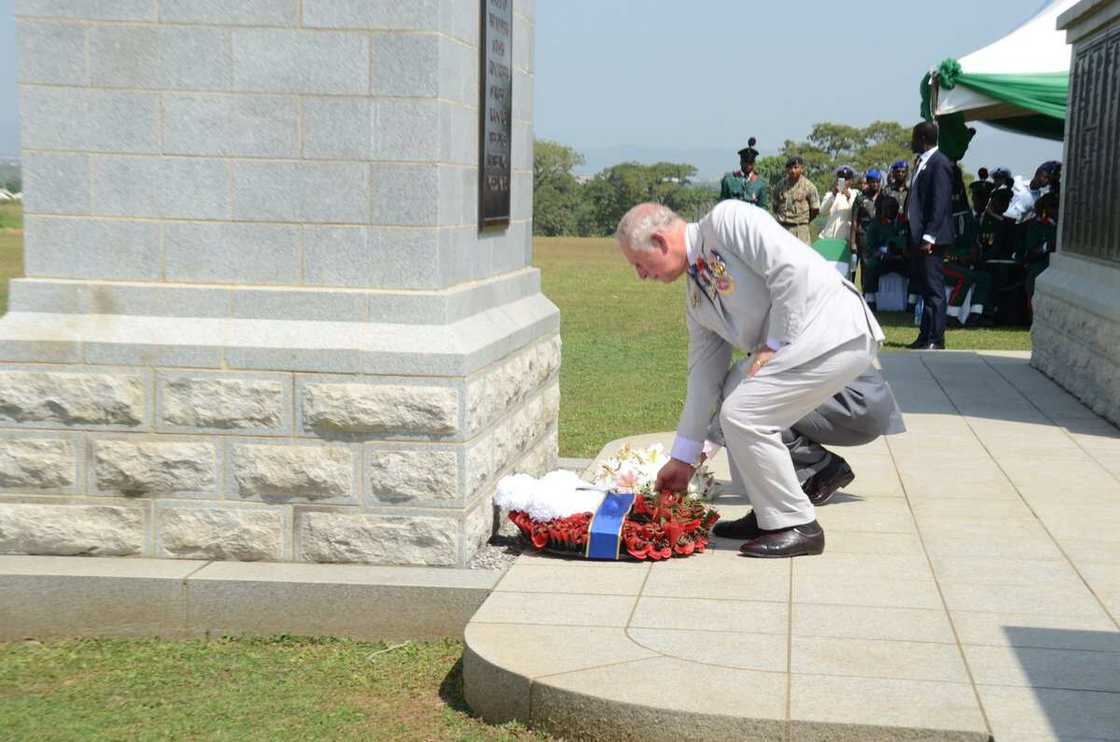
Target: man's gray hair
{"x": 636, "y": 227}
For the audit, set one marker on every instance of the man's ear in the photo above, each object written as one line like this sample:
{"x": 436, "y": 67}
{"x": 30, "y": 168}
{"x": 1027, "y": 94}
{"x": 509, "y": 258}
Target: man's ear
{"x": 659, "y": 241}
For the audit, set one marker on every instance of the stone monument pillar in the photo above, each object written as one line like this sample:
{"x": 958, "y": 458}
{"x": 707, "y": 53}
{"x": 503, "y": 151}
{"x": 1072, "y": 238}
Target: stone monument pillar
{"x": 260, "y": 319}
{"x": 1076, "y": 331}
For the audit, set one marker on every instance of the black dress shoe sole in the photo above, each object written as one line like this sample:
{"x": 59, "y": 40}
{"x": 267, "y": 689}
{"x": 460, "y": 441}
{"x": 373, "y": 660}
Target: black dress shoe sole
{"x": 844, "y": 477}
{"x": 790, "y": 555}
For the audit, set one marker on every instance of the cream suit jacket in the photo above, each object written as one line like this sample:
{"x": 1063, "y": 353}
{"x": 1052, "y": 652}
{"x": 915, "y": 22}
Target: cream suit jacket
{"x": 781, "y": 290}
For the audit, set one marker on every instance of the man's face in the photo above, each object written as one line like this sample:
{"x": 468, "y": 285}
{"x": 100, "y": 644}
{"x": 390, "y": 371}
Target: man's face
{"x": 872, "y": 187}
{"x": 746, "y": 165}
{"x": 899, "y": 176}
{"x": 1041, "y": 180}
{"x": 916, "y": 143}
{"x": 659, "y": 264}
{"x": 794, "y": 172}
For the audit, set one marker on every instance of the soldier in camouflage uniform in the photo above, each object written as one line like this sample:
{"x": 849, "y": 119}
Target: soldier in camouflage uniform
{"x": 744, "y": 184}
{"x": 796, "y": 201}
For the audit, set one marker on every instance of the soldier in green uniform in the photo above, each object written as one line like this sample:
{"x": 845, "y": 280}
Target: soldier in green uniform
{"x": 898, "y": 185}
{"x": 1039, "y": 240}
{"x": 863, "y": 209}
{"x": 796, "y": 200}
{"x": 963, "y": 260}
{"x": 744, "y": 184}
{"x": 883, "y": 248}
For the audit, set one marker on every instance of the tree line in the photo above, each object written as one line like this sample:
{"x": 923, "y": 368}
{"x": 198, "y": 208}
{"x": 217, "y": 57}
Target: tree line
{"x": 565, "y": 206}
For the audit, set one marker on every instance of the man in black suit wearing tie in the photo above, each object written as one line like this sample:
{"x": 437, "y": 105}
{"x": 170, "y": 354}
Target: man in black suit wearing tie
{"x": 930, "y": 211}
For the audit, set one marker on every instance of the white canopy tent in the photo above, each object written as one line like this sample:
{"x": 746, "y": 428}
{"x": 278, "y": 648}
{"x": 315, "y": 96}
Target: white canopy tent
{"x": 986, "y": 86}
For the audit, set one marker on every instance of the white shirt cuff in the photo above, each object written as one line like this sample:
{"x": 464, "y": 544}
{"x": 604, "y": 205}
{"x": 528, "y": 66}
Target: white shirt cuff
{"x": 929, "y": 238}
{"x": 711, "y": 449}
{"x": 686, "y": 450}
{"x": 773, "y": 344}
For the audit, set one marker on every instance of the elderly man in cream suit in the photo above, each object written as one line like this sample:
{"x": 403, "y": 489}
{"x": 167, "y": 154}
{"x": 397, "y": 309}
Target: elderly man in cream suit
{"x": 752, "y": 285}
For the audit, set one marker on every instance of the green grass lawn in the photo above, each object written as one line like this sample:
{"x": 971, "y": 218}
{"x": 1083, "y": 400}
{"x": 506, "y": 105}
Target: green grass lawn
{"x": 237, "y": 689}
{"x": 625, "y": 343}
{"x": 11, "y": 249}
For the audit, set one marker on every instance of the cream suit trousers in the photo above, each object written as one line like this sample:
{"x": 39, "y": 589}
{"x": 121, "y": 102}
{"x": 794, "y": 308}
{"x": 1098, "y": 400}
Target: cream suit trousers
{"x": 754, "y": 415}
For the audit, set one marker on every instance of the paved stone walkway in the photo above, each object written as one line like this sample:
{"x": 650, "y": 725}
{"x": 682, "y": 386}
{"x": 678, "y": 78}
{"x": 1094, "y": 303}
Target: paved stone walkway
{"x": 970, "y": 587}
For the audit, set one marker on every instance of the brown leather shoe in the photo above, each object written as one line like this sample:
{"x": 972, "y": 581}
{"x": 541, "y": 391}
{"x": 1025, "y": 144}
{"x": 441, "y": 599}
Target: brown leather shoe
{"x": 803, "y": 540}
{"x": 823, "y": 485}
{"x": 740, "y": 530}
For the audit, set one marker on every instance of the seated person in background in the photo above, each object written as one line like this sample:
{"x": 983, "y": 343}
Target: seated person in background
{"x": 1048, "y": 178}
{"x": 883, "y": 248}
{"x": 996, "y": 231}
{"x": 1039, "y": 240}
{"x": 962, "y": 261}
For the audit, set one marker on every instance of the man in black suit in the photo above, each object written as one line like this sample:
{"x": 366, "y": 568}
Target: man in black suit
{"x": 930, "y": 211}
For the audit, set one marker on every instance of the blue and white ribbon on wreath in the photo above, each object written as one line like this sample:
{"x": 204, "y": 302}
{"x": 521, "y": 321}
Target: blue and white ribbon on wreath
{"x": 604, "y": 538}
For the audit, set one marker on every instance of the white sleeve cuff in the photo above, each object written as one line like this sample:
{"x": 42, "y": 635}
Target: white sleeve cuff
{"x": 686, "y": 450}
{"x": 929, "y": 238}
{"x": 773, "y": 344}
{"x": 711, "y": 449}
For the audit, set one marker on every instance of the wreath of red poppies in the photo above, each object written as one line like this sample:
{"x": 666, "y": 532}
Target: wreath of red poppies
{"x": 658, "y": 527}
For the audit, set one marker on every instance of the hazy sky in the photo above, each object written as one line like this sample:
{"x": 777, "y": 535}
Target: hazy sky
{"x": 666, "y": 79}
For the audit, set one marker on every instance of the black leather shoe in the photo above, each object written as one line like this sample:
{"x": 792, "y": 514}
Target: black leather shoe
{"x": 935, "y": 346}
{"x": 803, "y": 540}
{"x": 918, "y": 344}
{"x": 823, "y": 485}
{"x": 740, "y": 530}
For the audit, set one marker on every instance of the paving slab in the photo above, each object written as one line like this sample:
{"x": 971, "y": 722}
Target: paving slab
{"x": 969, "y": 589}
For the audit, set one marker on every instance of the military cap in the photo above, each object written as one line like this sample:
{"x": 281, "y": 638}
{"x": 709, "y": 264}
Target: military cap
{"x": 873, "y": 174}
{"x": 749, "y": 153}
{"x": 845, "y": 172}
{"x": 900, "y": 165}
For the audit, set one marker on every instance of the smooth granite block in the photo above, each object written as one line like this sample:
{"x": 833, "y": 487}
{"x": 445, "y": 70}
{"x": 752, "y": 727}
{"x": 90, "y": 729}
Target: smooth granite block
{"x": 627, "y": 700}
{"x": 124, "y": 56}
{"x": 55, "y": 183}
{"x": 539, "y": 608}
{"x": 304, "y": 304}
{"x": 883, "y": 710}
{"x": 233, "y": 253}
{"x": 355, "y": 601}
{"x": 458, "y": 72}
{"x": 160, "y": 187}
{"x": 522, "y": 44}
{"x": 195, "y": 58}
{"x": 460, "y": 20}
{"x": 91, "y": 596}
{"x": 521, "y": 199}
{"x": 522, "y": 150}
{"x": 335, "y": 192}
{"x": 338, "y": 256}
{"x": 522, "y": 96}
{"x": 154, "y": 300}
{"x": 52, "y": 53}
{"x": 37, "y": 295}
{"x": 92, "y": 120}
{"x": 371, "y": 14}
{"x": 91, "y": 248}
{"x": 405, "y": 195}
{"x": 407, "y": 130}
{"x": 222, "y": 12}
{"x": 301, "y": 62}
{"x": 458, "y": 134}
{"x": 231, "y": 125}
{"x": 1050, "y": 714}
{"x": 406, "y": 65}
{"x": 404, "y": 258}
{"x": 91, "y": 10}
{"x": 336, "y": 128}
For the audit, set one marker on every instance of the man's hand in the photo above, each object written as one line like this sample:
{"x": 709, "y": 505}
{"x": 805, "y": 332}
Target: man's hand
{"x": 759, "y": 359}
{"x": 674, "y": 476}
{"x": 926, "y": 248}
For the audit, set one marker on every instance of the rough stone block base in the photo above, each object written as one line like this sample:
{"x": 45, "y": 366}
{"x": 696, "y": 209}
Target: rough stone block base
{"x": 1076, "y": 330}
{"x": 280, "y": 462}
